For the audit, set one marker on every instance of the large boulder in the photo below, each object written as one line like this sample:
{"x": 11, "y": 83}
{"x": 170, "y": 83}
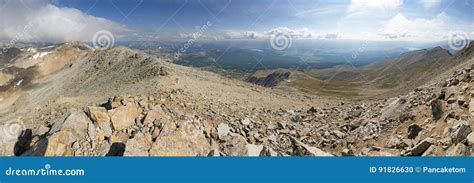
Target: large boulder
{"x": 187, "y": 140}
{"x": 458, "y": 150}
{"x": 421, "y": 147}
{"x": 437, "y": 109}
{"x": 156, "y": 114}
{"x": 236, "y": 145}
{"x": 301, "y": 149}
{"x": 60, "y": 144}
{"x": 392, "y": 110}
{"x": 223, "y": 130}
{"x": 72, "y": 129}
{"x": 100, "y": 116}
{"x": 459, "y": 132}
{"x": 396, "y": 142}
{"x": 139, "y": 145}
{"x": 76, "y": 122}
{"x": 124, "y": 116}
{"x": 413, "y": 131}
{"x": 267, "y": 151}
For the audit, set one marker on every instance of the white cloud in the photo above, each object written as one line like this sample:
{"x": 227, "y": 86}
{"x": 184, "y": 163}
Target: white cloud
{"x": 418, "y": 28}
{"x": 364, "y": 5}
{"x": 41, "y": 21}
{"x": 302, "y": 33}
{"x": 430, "y": 3}
{"x": 296, "y": 33}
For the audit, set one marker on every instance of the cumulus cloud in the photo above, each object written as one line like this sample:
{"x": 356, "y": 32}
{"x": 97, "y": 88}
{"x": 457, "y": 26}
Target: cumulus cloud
{"x": 364, "y": 5}
{"x": 302, "y": 33}
{"x": 38, "y": 20}
{"x": 418, "y": 28}
{"x": 295, "y": 33}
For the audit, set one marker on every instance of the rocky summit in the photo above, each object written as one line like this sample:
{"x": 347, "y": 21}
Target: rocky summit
{"x": 119, "y": 102}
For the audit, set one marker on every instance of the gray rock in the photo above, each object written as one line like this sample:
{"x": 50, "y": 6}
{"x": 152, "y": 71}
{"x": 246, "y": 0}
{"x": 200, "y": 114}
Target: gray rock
{"x": 421, "y": 147}
{"x": 254, "y": 150}
{"x": 214, "y": 152}
{"x": 235, "y": 146}
{"x": 267, "y": 151}
{"x": 245, "y": 121}
{"x": 437, "y": 109}
{"x": 347, "y": 152}
{"x": 471, "y": 107}
{"x": 451, "y": 100}
{"x": 301, "y": 149}
{"x": 395, "y": 105}
{"x": 223, "y": 130}
{"x": 396, "y": 142}
{"x": 461, "y": 100}
{"x": 431, "y": 151}
{"x": 91, "y": 131}
{"x": 138, "y": 146}
{"x": 42, "y": 130}
{"x": 459, "y": 132}
{"x": 413, "y": 131}
{"x": 470, "y": 139}
{"x": 338, "y": 134}
{"x": 104, "y": 148}
{"x": 458, "y": 150}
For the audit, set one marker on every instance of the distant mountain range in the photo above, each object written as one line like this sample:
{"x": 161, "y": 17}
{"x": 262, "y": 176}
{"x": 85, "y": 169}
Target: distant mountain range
{"x": 404, "y": 72}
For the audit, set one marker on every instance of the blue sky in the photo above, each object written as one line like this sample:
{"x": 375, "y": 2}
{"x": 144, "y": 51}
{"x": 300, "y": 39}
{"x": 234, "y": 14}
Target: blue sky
{"x": 417, "y": 20}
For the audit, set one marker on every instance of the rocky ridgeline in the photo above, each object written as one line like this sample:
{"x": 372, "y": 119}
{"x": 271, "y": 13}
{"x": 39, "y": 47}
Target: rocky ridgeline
{"x": 270, "y": 80}
{"x": 431, "y": 120}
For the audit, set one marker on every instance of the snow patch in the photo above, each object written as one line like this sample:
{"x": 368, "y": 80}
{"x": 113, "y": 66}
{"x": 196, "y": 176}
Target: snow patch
{"x": 19, "y": 83}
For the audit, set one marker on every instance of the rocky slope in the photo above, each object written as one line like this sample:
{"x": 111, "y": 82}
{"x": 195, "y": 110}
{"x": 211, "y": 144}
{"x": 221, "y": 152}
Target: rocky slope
{"x": 270, "y": 80}
{"x": 119, "y": 102}
{"x": 393, "y": 76}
